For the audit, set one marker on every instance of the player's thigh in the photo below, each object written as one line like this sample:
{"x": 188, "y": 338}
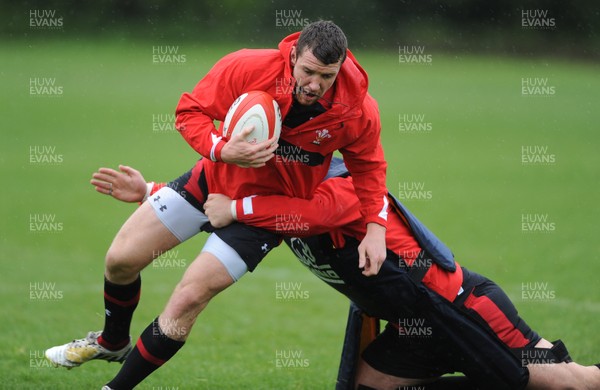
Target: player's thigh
{"x": 204, "y": 278}
{"x": 142, "y": 238}
{"x": 217, "y": 267}
{"x": 163, "y": 221}
{"x": 226, "y": 256}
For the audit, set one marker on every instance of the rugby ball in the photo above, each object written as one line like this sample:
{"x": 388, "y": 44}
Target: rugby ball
{"x": 254, "y": 108}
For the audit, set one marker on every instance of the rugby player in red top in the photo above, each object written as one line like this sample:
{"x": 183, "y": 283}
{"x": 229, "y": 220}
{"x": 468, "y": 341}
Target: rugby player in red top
{"x": 322, "y": 92}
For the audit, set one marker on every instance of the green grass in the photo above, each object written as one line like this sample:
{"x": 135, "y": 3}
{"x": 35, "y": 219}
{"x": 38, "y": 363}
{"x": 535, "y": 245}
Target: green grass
{"x": 470, "y": 161}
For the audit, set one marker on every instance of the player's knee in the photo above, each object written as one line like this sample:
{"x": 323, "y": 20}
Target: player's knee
{"x": 118, "y": 266}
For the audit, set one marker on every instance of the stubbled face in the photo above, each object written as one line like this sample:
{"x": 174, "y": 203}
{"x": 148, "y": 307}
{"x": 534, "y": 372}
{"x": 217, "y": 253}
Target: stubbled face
{"x": 313, "y": 78}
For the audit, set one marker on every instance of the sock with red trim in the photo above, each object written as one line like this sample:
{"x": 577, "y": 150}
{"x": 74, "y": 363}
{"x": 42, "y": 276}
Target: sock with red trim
{"x": 120, "y": 302}
{"x": 151, "y": 351}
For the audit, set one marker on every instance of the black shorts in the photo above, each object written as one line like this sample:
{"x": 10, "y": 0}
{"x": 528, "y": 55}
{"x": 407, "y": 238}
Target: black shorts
{"x": 251, "y": 243}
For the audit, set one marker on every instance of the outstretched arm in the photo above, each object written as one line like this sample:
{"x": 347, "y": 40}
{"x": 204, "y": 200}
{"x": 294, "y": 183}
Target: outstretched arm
{"x": 333, "y": 205}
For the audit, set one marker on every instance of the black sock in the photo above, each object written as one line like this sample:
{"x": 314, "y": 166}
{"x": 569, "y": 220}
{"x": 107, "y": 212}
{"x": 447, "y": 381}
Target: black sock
{"x": 120, "y": 302}
{"x": 597, "y": 365}
{"x": 151, "y": 351}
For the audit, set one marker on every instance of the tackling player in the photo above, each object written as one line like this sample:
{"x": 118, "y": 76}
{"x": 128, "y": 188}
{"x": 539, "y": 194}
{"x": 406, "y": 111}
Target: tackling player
{"x": 472, "y": 327}
{"x": 322, "y": 92}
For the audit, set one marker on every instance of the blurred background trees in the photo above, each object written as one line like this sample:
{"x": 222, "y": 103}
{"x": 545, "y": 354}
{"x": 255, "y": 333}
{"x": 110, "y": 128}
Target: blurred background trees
{"x": 460, "y": 25}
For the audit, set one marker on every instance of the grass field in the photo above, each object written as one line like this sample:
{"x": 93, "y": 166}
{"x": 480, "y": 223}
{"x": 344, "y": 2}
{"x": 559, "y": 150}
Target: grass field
{"x": 469, "y": 162}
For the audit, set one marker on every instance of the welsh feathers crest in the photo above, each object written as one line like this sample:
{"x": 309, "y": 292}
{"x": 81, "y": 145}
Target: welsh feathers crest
{"x": 321, "y": 135}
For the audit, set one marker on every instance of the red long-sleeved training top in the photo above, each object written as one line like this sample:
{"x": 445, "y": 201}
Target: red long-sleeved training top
{"x": 351, "y": 125}
{"x": 335, "y": 210}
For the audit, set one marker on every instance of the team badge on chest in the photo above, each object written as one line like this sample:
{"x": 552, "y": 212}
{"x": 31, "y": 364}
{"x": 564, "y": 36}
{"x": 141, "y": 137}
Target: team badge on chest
{"x": 321, "y": 136}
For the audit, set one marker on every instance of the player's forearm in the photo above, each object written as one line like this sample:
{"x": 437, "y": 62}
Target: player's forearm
{"x": 376, "y": 230}
{"x": 334, "y": 205}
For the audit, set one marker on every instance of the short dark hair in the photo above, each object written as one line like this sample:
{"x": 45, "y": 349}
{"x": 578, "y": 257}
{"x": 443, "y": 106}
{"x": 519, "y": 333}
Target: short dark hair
{"x": 325, "y": 40}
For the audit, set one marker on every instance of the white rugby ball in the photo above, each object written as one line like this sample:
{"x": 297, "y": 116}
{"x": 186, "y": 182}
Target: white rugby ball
{"x": 254, "y": 108}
